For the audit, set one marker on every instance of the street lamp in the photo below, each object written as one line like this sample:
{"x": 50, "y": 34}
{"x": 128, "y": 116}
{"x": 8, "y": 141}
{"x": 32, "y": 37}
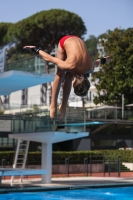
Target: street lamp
{"x": 123, "y": 106}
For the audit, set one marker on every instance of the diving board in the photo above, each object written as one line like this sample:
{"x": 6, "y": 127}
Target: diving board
{"x": 18, "y": 80}
{"x": 20, "y": 172}
{"x": 55, "y": 126}
{"x": 81, "y": 124}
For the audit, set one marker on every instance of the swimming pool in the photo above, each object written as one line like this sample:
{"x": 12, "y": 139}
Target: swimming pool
{"x": 118, "y": 193}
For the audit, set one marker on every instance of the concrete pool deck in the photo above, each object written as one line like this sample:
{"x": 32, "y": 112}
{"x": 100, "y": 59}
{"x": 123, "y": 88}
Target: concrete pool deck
{"x": 34, "y": 184}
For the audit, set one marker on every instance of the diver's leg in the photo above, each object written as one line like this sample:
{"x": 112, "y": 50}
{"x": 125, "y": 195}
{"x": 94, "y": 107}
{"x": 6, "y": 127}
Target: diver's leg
{"x": 57, "y": 83}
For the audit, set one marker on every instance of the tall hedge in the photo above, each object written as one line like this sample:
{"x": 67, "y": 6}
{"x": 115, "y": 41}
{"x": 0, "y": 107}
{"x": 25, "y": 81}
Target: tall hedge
{"x": 75, "y": 157}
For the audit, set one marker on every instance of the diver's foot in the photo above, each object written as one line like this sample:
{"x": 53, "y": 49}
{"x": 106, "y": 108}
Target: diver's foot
{"x": 53, "y": 112}
{"x": 63, "y": 112}
{"x": 59, "y": 107}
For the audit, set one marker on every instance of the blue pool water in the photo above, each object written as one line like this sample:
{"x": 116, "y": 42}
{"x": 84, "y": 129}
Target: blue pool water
{"x": 119, "y": 193}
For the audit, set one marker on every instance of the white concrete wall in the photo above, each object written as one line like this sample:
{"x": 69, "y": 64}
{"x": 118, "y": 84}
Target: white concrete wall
{"x": 128, "y": 165}
{"x": 15, "y": 98}
{"x": 34, "y": 95}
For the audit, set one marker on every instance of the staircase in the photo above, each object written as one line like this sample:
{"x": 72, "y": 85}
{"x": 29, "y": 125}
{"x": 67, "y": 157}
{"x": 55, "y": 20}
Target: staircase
{"x": 114, "y": 168}
{"x": 20, "y": 156}
{"x": 124, "y": 168}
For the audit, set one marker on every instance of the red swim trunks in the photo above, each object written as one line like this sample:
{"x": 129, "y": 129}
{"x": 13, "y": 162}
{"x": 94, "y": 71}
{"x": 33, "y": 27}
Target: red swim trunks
{"x": 65, "y": 38}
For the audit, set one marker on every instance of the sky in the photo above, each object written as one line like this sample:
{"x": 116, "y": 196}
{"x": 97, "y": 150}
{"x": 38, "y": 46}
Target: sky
{"x": 98, "y": 15}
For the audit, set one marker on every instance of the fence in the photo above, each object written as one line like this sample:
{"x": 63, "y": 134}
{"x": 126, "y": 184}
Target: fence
{"x": 90, "y": 166}
{"x": 93, "y": 166}
{"x": 33, "y": 64}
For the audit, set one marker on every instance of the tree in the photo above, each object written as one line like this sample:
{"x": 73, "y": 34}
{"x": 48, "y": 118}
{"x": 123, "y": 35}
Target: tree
{"x": 116, "y": 77}
{"x": 45, "y": 28}
{"x": 91, "y": 44}
{"x": 3, "y": 31}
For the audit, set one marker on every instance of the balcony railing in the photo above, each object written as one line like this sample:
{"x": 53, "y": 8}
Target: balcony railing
{"x": 37, "y": 119}
{"x": 72, "y": 112}
{"x": 41, "y": 122}
{"x": 108, "y": 114}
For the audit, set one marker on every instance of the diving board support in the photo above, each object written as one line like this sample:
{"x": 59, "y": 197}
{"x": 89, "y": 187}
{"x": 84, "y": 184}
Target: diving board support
{"x": 84, "y": 121}
{"x": 47, "y": 162}
{"x": 47, "y": 139}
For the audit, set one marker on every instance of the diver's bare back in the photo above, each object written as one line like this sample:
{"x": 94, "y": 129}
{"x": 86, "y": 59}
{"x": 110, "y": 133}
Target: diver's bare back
{"x": 77, "y": 55}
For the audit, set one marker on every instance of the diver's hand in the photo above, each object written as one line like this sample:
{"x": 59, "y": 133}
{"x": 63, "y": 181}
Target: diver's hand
{"x": 34, "y": 49}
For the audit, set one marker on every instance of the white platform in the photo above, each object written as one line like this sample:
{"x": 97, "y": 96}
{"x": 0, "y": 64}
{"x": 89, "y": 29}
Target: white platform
{"x": 12, "y": 81}
{"x": 47, "y": 138}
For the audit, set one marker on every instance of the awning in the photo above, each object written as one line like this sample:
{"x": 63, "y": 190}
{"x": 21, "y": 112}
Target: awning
{"x": 104, "y": 108}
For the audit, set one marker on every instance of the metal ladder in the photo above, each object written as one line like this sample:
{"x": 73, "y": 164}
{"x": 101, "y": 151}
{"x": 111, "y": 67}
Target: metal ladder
{"x": 20, "y": 156}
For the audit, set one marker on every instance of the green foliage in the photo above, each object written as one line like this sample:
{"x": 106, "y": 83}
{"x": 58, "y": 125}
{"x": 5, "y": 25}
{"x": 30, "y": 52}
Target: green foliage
{"x": 13, "y": 55}
{"x": 8, "y": 156}
{"x": 75, "y": 157}
{"x": 116, "y": 77}
{"x": 91, "y": 44}
{"x": 1, "y": 112}
{"x": 34, "y": 158}
{"x": 3, "y": 31}
{"x": 45, "y": 28}
{"x": 35, "y": 109}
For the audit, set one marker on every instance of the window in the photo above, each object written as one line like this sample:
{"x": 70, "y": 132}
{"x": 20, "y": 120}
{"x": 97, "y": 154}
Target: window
{"x": 104, "y": 129}
{"x": 6, "y": 142}
{"x": 103, "y": 143}
{"x": 124, "y": 129}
